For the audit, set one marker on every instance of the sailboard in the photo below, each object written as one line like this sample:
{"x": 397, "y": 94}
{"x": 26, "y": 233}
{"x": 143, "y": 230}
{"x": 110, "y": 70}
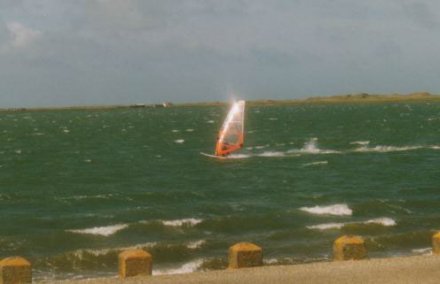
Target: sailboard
{"x": 231, "y": 134}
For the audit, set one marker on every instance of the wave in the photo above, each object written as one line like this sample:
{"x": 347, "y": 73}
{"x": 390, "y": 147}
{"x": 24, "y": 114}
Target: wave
{"x": 238, "y": 156}
{"x": 188, "y": 267}
{"x": 101, "y": 231}
{"x": 179, "y": 141}
{"x": 317, "y": 163}
{"x": 422, "y": 251}
{"x": 335, "y": 209}
{"x": 182, "y": 222}
{"x": 196, "y": 244}
{"x": 383, "y": 221}
{"x": 327, "y": 226}
{"x": 311, "y": 147}
{"x": 272, "y": 154}
{"x": 387, "y": 149}
{"x": 362, "y": 143}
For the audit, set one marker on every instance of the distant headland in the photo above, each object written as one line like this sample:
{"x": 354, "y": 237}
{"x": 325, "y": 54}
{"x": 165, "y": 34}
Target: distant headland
{"x": 355, "y": 98}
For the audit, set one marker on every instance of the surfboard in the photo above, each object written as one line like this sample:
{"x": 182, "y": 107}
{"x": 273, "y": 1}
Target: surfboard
{"x": 213, "y": 156}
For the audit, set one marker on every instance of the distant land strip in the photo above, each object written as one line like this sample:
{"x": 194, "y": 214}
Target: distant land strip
{"x": 338, "y": 99}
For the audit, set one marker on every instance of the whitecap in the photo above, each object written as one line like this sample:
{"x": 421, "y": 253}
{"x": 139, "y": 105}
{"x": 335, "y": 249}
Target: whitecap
{"x": 311, "y": 147}
{"x": 260, "y": 147}
{"x": 101, "y": 231}
{"x": 272, "y": 154}
{"x": 196, "y": 244}
{"x": 175, "y": 130}
{"x": 185, "y": 268}
{"x": 210, "y": 121}
{"x": 238, "y": 156}
{"x": 99, "y": 252}
{"x": 179, "y": 141}
{"x": 189, "y": 130}
{"x": 327, "y": 226}
{"x": 335, "y": 209}
{"x": 384, "y": 221}
{"x": 362, "y": 143}
{"x": 387, "y": 149}
{"x": 181, "y": 222}
{"x": 317, "y": 163}
{"x": 422, "y": 251}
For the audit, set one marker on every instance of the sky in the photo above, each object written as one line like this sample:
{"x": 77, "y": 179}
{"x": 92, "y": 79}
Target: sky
{"x": 104, "y": 52}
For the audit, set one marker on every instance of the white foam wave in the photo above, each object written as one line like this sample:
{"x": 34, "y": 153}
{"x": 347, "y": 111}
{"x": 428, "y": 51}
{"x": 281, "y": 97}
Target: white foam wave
{"x": 101, "y": 231}
{"x": 179, "y": 141}
{"x": 327, "y": 226}
{"x": 189, "y": 130}
{"x": 98, "y": 252}
{"x": 210, "y": 121}
{"x": 435, "y": 147}
{"x": 315, "y": 163}
{"x": 196, "y": 244}
{"x": 182, "y": 222}
{"x": 261, "y": 146}
{"x": 272, "y": 154}
{"x": 383, "y": 221}
{"x": 238, "y": 156}
{"x": 423, "y": 251}
{"x": 387, "y": 149}
{"x": 175, "y": 130}
{"x": 311, "y": 147}
{"x": 185, "y": 268}
{"x": 362, "y": 143}
{"x": 335, "y": 209}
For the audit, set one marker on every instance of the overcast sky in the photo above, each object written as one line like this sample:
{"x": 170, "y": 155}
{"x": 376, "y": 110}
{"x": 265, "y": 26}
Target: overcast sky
{"x": 83, "y": 52}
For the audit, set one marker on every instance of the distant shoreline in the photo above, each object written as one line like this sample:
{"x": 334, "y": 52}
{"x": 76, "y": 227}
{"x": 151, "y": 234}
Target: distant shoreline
{"x": 358, "y": 98}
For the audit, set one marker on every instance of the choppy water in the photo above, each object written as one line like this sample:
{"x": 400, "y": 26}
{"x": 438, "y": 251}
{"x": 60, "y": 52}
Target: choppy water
{"x": 77, "y": 187}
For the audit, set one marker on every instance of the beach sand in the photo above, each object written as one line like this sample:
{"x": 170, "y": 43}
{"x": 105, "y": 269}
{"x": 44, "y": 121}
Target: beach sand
{"x": 414, "y": 269}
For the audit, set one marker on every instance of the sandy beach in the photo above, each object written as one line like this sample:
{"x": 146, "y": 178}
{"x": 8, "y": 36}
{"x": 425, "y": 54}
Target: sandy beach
{"x": 415, "y": 269}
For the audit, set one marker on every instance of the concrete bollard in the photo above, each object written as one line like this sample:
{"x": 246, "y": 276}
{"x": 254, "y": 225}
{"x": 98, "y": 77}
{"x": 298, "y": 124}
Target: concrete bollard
{"x": 436, "y": 243}
{"x": 245, "y": 255}
{"x": 135, "y": 262}
{"x": 15, "y": 270}
{"x": 349, "y": 248}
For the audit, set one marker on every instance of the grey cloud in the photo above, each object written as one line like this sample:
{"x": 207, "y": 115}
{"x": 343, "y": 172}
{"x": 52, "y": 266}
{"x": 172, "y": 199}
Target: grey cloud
{"x": 422, "y": 14}
{"x": 108, "y": 51}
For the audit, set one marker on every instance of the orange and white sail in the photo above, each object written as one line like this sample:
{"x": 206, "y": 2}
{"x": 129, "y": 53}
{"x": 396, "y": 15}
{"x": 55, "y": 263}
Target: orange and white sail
{"x": 231, "y": 134}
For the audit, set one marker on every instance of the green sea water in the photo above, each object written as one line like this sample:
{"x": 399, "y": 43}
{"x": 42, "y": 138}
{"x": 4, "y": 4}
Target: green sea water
{"x": 77, "y": 187}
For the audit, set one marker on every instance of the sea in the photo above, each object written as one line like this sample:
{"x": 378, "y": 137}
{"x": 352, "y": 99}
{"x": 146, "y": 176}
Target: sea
{"x": 77, "y": 187}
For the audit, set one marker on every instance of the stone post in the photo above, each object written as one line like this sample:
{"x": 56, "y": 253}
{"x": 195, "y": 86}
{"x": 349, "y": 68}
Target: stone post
{"x": 436, "y": 243}
{"x": 349, "y": 248}
{"x": 14, "y": 270}
{"x": 245, "y": 255}
{"x": 135, "y": 262}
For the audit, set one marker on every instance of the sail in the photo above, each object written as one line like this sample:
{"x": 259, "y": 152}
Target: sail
{"x": 231, "y": 134}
